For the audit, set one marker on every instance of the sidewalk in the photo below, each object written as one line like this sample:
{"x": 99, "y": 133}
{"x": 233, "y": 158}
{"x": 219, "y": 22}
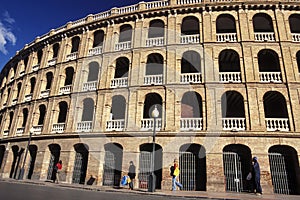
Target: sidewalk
{"x": 186, "y": 194}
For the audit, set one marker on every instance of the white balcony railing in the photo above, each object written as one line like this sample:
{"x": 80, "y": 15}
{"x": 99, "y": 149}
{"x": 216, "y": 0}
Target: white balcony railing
{"x": 264, "y": 37}
{"x": 35, "y": 67}
{"x": 234, "y": 124}
{"x": 153, "y": 79}
{"x": 28, "y": 97}
{"x": 95, "y": 51}
{"x": 14, "y": 102}
{"x": 6, "y": 133}
{"x": 52, "y": 62}
{"x": 115, "y": 125}
{"x": 158, "y": 41}
{"x": 65, "y": 90}
{"x": 157, "y": 4}
{"x": 37, "y": 129}
{"x": 58, "y": 127}
{"x": 72, "y": 56}
{"x": 190, "y": 39}
{"x": 226, "y": 37}
{"x": 191, "y": 78}
{"x": 127, "y": 9}
{"x": 296, "y": 37}
{"x": 277, "y": 124}
{"x": 90, "y": 86}
{"x": 184, "y": 2}
{"x": 119, "y": 82}
{"x": 148, "y": 124}
{"x": 20, "y": 131}
{"x": 84, "y": 126}
{"x": 45, "y": 93}
{"x": 123, "y": 46}
{"x": 267, "y": 77}
{"x": 22, "y": 73}
{"x": 191, "y": 124}
{"x": 230, "y": 77}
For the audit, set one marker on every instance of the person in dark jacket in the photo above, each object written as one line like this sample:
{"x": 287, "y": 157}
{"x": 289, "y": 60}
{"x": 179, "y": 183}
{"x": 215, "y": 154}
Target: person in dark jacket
{"x": 256, "y": 176}
{"x": 131, "y": 174}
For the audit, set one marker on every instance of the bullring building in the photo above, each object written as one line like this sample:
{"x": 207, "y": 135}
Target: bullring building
{"x": 224, "y": 77}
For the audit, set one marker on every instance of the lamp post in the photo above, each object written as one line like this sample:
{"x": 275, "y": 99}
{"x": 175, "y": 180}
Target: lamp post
{"x": 152, "y": 178}
{"x": 22, "y": 170}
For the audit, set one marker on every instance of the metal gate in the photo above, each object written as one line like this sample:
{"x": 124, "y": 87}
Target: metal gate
{"x": 187, "y": 170}
{"x": 50, "y": 168}
{"x": 233, "y": 171}
{"x": 109, "y": 169}
{"x": 77, "y": 168}
{"x": 145, "y": 168}
{"x": 282, "y": 179}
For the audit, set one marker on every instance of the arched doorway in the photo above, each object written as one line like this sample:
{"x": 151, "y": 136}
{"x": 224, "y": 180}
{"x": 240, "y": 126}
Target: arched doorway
{"x": 236, "y": 163}
{"x": 192, "y": 163}
{"x": 80, "y": 163}
{"x": 32, "y": 151}
{"x": 54, "y": 158}
{"x": 145, "y": 165}
{"x": 112, "y": 164}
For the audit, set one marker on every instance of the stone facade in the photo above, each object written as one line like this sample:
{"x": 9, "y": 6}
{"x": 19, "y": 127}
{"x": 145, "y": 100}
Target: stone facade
{"x": 99, "y": 100}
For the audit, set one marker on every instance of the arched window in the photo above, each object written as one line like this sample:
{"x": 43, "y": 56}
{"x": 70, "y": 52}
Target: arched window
{"x": 233, "y": 105}
{"x": 32, "y": 85}
{"x": 49, "y": 77}
{"x": 154, "y": 64}
{"x": 190, "y": 26}
{"x": 19, "y": 89}
{"x": 122, "y": 67}
{"x": 156, "y": 29}
{"x": 42, "y": 110}
{"x": 298, "y": 60}
{"x": 268, "y": 61}
{"x": 75, "y": 44}
{"x": 93, "y": 71}
{"x": 118, "y": 107}
{"x": 152, "y": 100}
{"x": 191, "y": 105}
{"x": 98, "y": 38}
{"x": 63, "y": 110}
{"x": 11, "y": 116}
{"x": 275, "y": 105}
{"x": 229, "y": 61}
{"x": 225, "y": 24}
{"x": 294, "y": 21}
{"x": 55, "y": 49}
{"x": 69, "y": 76}
{"x": 39, "y": 56}
{"x": 88, "y": 110}
{"x": 125, "y": 33}
{"x": 191, "y": 62}
{"x": 25, "y": 116}
{"x": 262, "y": 23}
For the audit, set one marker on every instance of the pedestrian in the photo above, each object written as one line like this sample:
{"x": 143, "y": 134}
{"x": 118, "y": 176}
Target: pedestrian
{"x": 57, "y": 169}
{"x": 256, "y": 176}
{"x": 175, "y": 173}
{"x": 131, "y": 174}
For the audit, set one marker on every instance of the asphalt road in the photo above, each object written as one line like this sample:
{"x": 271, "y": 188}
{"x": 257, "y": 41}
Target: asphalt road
{"x": 16, "y": 191}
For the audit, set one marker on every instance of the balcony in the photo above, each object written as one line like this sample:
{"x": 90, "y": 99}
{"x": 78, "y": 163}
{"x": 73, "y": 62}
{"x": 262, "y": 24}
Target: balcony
{"x": 230, "y": 77}
{"x": 190, "y": 39}
{"x": 45, "y": 93}
{"x": 296, "y": 37}
{"x": 72, "y": 56}
{"x": 52, "y": 62}
{"x": 191, "y": 124}
{"x": 119, "y": 82}
{"x": 20, "y": 131}
{"x": 84, "y": 126}
{"x": 95, "y": 51}
{"x": 234, "y": 124}
{"x": 268, "y": 77}
{"x": 28, "y": 97}
{"x": 37, "y": 129}
{"x": 226, "y": 37}
{"x": 90, "y": 86}
{"x": 59, "y": 127}
{"x": 158, "y": 41}
{"x": 35, "y": 67}
{"x": 5, "y": 133}
{"x": 65, "y": 90}
{"x": 148, "y": 124}
{"x": 184, "y": 2}
{"x": 264, "y": 37}
{"x": 22, "y": 73}
{"x": 115, "y": 125}
{"x": 191, "y": 78}
{"x": 277, "y": 124}
{"x": 153, "y": 79}
{"x": 14, "y": 101}
{"x": 123, "y": 46}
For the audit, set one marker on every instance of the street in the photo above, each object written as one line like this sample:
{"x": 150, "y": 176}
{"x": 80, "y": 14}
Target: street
{"x": 16, "y": 191}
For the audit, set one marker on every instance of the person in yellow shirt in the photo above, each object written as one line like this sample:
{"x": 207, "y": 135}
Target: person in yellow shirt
{"x": 175, "y": 173}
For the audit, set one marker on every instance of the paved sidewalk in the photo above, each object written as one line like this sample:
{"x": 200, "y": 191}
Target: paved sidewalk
{"x": 191, "y": 194}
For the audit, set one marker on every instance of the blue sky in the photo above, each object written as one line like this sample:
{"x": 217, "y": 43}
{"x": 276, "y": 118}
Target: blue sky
{"x": 22, "y": 21}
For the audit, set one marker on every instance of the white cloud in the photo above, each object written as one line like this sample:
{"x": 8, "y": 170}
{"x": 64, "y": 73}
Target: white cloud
{"x": 6, "y": 34}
